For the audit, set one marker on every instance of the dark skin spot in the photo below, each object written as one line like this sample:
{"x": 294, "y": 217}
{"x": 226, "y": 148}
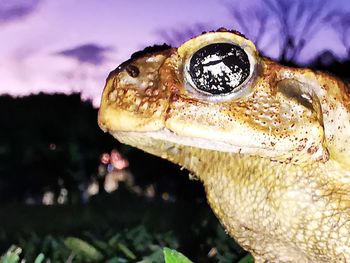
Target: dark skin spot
{"x": 312, "y": 149}
{"x": 174, "y": 97}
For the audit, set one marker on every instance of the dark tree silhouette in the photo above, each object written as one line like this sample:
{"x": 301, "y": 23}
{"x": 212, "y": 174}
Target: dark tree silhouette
{"x": 298, "y": 21}
{"x": 47, "y": 140}
{"x": 251, "y": 22}
{"x": 292, "y": 23}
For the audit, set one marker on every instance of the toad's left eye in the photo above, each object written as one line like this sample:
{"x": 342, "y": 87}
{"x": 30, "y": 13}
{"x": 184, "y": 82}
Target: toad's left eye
{"x": 218, "y": 69}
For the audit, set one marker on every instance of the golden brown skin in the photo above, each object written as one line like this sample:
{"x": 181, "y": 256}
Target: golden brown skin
{"x": 273, "y": 157}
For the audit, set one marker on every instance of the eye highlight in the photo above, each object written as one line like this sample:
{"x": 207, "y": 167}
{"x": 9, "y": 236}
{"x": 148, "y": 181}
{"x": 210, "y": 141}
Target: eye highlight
{"x": 218, "y": 69}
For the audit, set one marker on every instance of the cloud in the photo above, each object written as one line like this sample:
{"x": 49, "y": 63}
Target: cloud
{"x": 87, "y": 53}
{"x": 16, "y": 9}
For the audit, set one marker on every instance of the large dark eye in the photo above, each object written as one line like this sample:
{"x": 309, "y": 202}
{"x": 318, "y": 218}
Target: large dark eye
{"x": 219, "y": 68}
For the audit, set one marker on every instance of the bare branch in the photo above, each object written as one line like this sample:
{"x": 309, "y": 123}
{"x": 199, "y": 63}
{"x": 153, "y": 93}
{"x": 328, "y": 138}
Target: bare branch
{"x": 242, "y": 22}
{"x": 262, "y": 18}
{"x": 341, "y": 23}
{"x": 251, "y": 22}
{"x": 176, "y": 37}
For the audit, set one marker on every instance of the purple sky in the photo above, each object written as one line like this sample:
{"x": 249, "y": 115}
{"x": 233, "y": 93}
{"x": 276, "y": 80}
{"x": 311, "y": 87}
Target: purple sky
{"x": 71, "y": 45}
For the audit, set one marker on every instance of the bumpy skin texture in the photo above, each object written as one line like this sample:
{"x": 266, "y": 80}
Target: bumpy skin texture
{"x": 273, "y": 156}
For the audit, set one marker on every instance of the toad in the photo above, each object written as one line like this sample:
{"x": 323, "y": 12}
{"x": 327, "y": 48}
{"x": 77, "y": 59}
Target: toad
{"x": 270, "y": 143}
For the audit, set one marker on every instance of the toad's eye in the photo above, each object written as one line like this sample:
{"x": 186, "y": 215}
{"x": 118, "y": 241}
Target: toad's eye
{"x": 218, "y": 69}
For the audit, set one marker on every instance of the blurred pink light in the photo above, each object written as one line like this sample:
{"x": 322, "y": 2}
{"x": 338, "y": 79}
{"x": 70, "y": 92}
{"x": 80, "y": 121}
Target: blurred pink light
{"x": 115, "y": 160}
{"x": 105, "y": 158}
{"x": 118, "y": 161}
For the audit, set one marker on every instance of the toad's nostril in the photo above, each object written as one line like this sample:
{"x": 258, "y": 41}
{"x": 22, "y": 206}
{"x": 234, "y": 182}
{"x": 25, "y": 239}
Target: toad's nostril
{"x": 132, "y": 70}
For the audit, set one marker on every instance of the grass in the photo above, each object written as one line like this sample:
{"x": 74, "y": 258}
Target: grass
{"x": 83, "y": 251}
{"x": 115, "y": 228}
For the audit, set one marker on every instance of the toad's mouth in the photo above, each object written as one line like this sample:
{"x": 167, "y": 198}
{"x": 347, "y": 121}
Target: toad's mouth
{"x": 171, "y": 137}
{"x": 146, "y": 140}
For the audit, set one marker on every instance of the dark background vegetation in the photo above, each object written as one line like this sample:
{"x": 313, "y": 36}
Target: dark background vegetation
{"x": 51, "y": 147}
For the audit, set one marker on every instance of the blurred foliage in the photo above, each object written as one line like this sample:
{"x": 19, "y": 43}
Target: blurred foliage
{"x": 117, "y": 248}
{"x": 121, "y": 227}
{"x": 12, "y": 255}
{"x": 93, "y": 255}
{"x": 172, "y": 256}
{"x": 247, "y": 259}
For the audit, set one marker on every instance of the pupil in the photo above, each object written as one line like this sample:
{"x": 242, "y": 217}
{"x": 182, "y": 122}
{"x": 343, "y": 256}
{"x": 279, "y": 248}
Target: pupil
{"x": 219, "y": 68}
